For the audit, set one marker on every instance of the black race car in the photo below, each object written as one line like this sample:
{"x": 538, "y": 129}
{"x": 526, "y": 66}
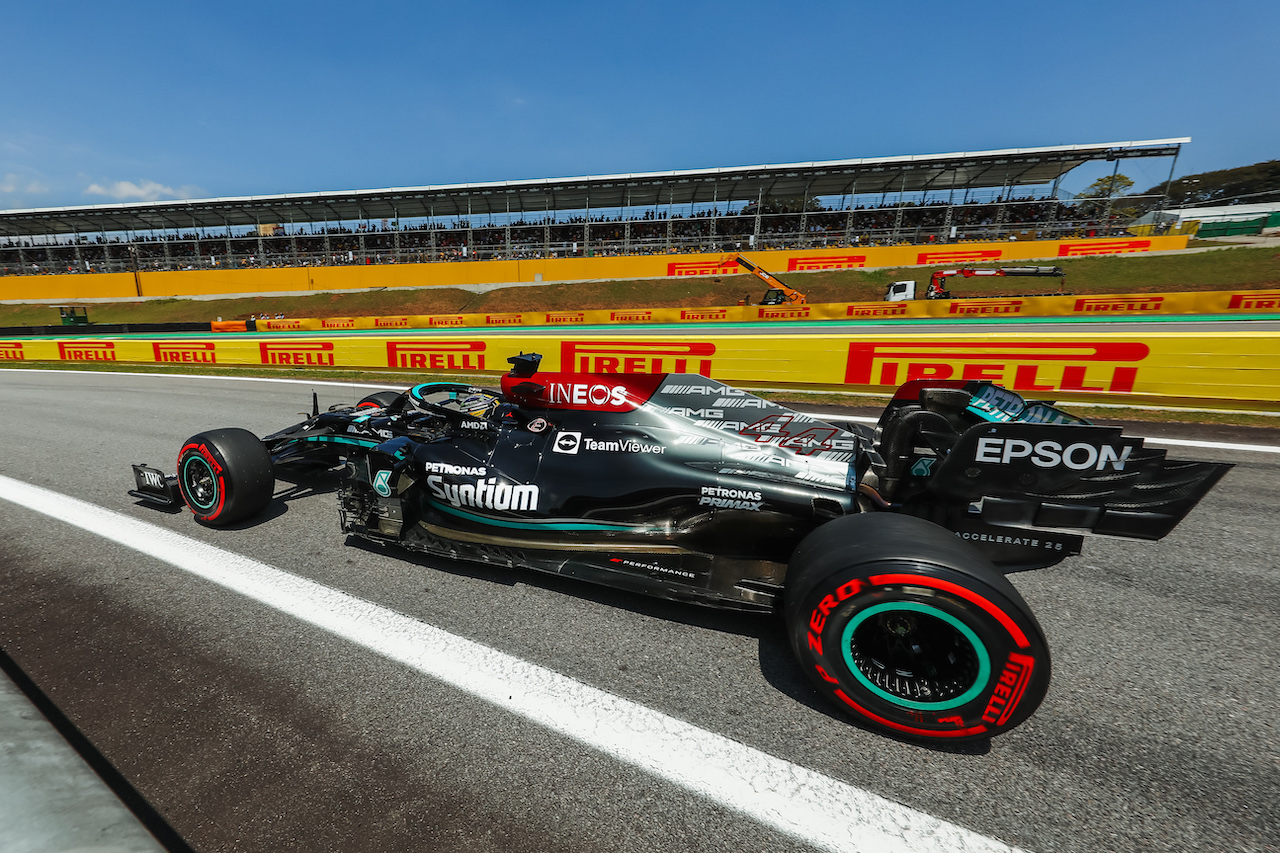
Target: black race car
{"x": 883, "y": 548}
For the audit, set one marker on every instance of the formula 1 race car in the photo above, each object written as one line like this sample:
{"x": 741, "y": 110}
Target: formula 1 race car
{"x": 884, "y": 549}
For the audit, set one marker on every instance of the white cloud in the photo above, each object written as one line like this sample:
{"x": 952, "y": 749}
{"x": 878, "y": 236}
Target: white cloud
{"x": 126, "y": 190}
{"x": 12, "y": 184}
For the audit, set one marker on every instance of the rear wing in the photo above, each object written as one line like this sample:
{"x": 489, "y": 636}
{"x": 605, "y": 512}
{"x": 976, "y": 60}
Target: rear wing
{"x": 1018, "y": 463}
{"x": 1071, "y": 476}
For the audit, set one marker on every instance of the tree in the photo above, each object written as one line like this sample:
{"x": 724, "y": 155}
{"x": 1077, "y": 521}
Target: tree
{"x": 1259, "y": 182}
{"x": 1110, "y": 187}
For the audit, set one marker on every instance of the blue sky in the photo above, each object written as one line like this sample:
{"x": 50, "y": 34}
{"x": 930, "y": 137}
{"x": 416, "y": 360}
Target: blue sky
{"x": 121, "y": 101}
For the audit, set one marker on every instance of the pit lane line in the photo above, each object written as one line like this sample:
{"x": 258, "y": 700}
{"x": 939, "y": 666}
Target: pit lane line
{"x": 796, "y": 801}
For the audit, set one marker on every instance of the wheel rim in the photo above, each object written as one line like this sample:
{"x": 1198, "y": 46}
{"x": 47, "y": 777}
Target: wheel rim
{"x": 915, "y": 656}
{"x": 198, "y": 483}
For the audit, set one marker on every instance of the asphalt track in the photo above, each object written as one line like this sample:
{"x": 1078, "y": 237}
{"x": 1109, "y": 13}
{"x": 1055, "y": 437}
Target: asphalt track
{"x": 292, "y": 691}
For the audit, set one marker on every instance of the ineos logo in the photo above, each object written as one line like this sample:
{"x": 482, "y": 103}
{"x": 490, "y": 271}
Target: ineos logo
{"x": 567, "y": 442}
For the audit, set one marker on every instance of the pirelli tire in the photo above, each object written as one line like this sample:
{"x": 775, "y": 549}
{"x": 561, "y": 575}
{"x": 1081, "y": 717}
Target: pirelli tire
{"x": 912, "y": 631}
{"x": 225, "y": 476}
{"x": 379, "y": 400}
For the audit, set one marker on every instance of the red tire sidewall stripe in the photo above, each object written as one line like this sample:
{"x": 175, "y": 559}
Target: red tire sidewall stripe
{"x": 933, "y": 733}
{"x": 1019, "y": 636}
{"x": 203, "y": 452}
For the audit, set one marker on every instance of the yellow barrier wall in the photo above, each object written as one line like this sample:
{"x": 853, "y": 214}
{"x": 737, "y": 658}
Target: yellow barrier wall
{"x": 304, "y": 279}
{"x": 1238, "y": 369}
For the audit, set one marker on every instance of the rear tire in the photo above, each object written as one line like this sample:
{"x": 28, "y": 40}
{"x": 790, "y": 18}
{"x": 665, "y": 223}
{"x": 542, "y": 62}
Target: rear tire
{"x": 225, "y": 475}
{"x": 913, "y": 631}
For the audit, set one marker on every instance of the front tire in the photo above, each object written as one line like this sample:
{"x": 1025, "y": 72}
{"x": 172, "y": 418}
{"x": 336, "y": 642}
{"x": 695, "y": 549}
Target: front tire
{"x": 912, "y": 630}
{"x": 379, "y": 400}
{"x": 225, "y": 475}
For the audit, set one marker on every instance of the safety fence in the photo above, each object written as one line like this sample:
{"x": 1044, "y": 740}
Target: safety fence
{"x": 217, "y": 281}
{"x": 1225, "y": 303}
{"x": 1227, "y": 370}
{"x": 1228, "y": 302}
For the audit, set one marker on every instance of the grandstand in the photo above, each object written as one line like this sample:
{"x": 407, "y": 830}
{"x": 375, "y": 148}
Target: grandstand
{"x": 920, "y": 199}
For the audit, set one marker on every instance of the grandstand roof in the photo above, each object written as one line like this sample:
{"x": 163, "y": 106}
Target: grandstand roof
{"x": 1009, "y": 167}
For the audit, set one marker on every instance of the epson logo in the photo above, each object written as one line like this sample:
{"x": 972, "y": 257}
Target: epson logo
{"x": 1080, "y": 456}
{"x": 485, "y": 494}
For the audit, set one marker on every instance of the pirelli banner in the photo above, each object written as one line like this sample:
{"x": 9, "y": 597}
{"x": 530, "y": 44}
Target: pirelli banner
{"x": 230, "y": 281}
{"x": 1118, "y": 305}
{"x": 1232, "y": 370}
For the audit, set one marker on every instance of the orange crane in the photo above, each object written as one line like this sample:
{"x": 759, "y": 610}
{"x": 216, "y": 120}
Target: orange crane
{"x": 778, "y": 293}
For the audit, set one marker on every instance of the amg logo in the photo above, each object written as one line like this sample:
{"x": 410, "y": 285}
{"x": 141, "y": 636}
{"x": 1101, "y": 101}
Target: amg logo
{"x": 1008, "y": 691}
{"x": 1080, "y": 456}
{"x": 338, "y": 323}
{"x": 1107, "y": 304}
{"x": 897, "y": 309}
{"x": 1254, "y": 301}
{"x": 823, "y": 479}
{"x": 446, "y": 355}
{"x": 1102, "y": 247}
{"x": 449, "y": 320}
{"x": 185, "y": 353}
{"x": 11, "y": 350}
{"x": 631, "y": 316}
{"x": 503, "y": 319}
{"x": 391, "y": 322}
{"x": 636, "y": 356}
{"x": 484, "y": 494}
{"x": 988, "y": 306}
{"x": 787, "y": 313}
{"x": 958, "y": 256}
{"x": 704, "y": 314}
{"x": 703, "y": 390}
{"x": 743, "y": 403}
{"x": 298, "y": 353}
{"x": 87, "y": 351}
{"x": 716, "y": 267}
{"x": 565, "y": 317}
{"x": 830, "y": 262}
{"x": 1034, "y": 366}
{"x": 712, "y": 414}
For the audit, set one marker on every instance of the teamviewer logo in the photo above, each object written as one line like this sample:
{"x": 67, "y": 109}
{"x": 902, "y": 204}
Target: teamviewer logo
{"x": 567, "y": 442}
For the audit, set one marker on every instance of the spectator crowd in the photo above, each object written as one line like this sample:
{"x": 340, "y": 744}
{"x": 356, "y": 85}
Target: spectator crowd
{"x": 775, "y": 225}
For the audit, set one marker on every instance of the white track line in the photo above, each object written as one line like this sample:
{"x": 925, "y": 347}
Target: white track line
{"x": 802, "y": 803}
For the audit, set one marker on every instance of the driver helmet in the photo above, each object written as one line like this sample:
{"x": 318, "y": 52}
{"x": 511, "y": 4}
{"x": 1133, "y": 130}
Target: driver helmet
{"x": 476, "y": 405}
